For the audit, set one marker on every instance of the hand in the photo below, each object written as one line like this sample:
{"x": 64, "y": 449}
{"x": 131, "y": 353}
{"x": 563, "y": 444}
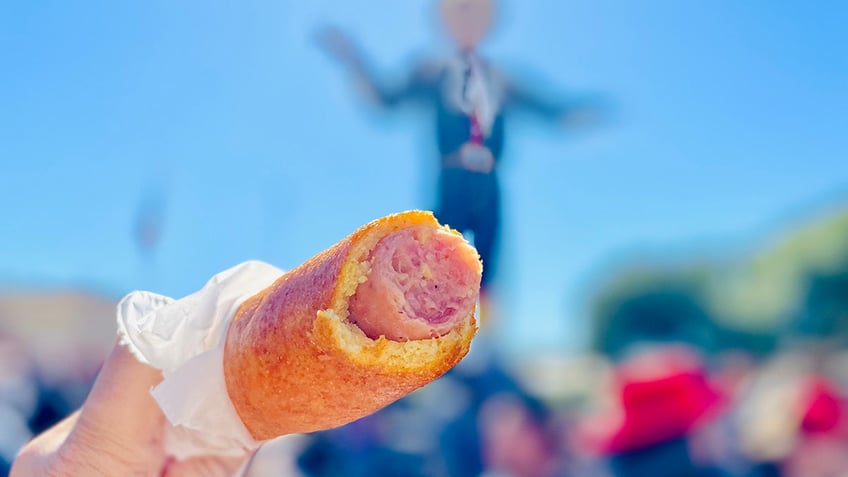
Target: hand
{"x": 118, "y": 431}
{"x": 337, "y": 44}
{"x": 476, "y": 158}
{"x": 588, "y": 113}
{"x": 581, "y": 118}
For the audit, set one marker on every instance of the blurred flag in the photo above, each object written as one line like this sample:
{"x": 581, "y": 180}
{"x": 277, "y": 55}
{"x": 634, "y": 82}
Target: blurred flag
{"x": 149, "y": 219}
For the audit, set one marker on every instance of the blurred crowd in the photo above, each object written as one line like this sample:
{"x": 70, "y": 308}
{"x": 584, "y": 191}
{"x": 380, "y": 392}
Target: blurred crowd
{"x": 658, "y": 408}
{"x": 665, "y": 410}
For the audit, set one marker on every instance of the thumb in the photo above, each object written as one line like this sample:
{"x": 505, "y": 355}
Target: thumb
{"x": 120, "y": 419}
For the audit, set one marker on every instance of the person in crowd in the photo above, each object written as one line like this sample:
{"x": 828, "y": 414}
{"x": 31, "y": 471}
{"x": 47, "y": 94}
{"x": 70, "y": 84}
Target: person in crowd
{"x": 18, "y": 398}
{"x": 663, "y": 395}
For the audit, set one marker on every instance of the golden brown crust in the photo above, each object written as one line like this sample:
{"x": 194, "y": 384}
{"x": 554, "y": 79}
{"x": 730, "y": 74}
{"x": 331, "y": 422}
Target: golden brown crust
{"x": 293, "y": 364}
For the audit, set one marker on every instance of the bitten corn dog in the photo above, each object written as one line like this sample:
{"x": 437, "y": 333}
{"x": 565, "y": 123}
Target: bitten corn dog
{"x": 372, "y": 318}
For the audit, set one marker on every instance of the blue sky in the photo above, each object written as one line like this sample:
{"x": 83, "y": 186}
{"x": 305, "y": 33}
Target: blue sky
{"x": 729, "y": 119}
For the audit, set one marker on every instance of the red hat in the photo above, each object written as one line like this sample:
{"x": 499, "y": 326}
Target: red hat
{"x": 663, "y": 394}
{"x": 821, "y": 406}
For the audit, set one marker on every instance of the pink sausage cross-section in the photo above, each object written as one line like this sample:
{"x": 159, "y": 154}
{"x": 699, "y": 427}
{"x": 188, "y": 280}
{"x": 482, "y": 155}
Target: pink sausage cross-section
{"x": 421, "y": 284}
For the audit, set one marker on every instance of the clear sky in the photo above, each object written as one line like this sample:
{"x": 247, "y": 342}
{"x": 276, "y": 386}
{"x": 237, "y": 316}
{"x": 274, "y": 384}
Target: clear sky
{"x": 224, "y": 121}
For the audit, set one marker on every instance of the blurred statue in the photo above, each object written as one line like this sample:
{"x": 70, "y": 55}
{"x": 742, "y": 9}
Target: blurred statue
{"x": 471, "y": 97}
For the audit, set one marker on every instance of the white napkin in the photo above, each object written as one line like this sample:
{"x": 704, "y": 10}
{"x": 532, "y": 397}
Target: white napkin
{"x": 184, "y": 338}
